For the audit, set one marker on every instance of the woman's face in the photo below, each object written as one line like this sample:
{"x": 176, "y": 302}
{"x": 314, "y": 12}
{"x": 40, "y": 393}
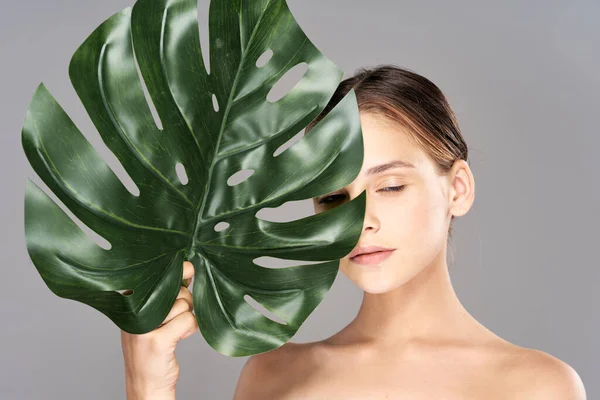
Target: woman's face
{"x": 414, "y": 220}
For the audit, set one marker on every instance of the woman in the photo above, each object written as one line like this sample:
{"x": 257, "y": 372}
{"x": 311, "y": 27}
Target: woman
{"x": 412, "y": 338}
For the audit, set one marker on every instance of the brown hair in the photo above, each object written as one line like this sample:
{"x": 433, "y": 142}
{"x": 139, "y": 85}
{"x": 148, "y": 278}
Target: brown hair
{"x": 412, "y": 101}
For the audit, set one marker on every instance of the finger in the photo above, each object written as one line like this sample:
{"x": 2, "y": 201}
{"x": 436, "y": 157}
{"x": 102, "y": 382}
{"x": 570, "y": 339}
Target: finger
{"x": 184, "y": 293}
{"x": 180, "y": 306}
{"x": 180, "y": 327}
{"x": 183, "y": 302}
{"x": 188, "y": 273}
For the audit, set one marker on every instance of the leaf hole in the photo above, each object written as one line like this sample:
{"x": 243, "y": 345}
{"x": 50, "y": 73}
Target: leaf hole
{"x": 125, "y": 292}
{"x": 181, "y": 174}
{"x": 276, "y": 262}
{"x": 264, "y": 58}
{"x": 153, "y": 111}
{"x": 215, "y": 103}
{"x": 287, "y": 82}
{"x": 289, "y": 143}
{"x": 221, "y": 226}
{"x": 241, "y": 175}
{"x": 202, "y": 17}
{"x": 93, "y": 235}
{"x": 288, "y": 211}
{"x": 259, "y": 307}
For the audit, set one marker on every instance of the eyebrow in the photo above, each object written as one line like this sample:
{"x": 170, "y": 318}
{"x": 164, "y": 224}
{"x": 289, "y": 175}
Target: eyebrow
{"x": 392, "y": 164}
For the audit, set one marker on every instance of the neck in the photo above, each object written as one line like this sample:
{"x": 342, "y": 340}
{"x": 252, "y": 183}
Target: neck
{"x": 425, "y": 308}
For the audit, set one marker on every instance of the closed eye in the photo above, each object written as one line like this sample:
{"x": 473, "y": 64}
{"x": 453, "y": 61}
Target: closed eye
{"x": 393, "y": 188}
{"x": 329, "y": 199}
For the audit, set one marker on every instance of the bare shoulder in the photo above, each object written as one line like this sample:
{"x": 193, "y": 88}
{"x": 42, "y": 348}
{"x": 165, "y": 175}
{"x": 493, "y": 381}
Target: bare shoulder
{"x": 539, "y": 375}
{"x": 263, "y": 375}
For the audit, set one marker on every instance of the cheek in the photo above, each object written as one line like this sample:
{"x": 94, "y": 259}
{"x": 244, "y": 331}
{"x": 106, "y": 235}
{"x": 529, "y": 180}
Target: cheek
{"x": 423, "y": 227}
{"x": 416, "y": 229}
{"x": 427, "y": 218}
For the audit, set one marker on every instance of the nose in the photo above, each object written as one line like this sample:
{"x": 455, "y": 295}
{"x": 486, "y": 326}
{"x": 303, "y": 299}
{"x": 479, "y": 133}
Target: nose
{"x": 371, "y": 220}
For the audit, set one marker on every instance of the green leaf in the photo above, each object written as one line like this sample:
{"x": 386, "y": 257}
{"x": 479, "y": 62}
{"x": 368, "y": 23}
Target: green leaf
{"x": 151, "y": 234}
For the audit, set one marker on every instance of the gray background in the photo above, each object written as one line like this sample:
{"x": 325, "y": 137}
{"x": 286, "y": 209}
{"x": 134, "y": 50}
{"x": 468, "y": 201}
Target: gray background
{"x": 523, "y": 80}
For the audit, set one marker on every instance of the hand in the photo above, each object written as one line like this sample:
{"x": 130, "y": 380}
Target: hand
{"x": 151, "y": 370}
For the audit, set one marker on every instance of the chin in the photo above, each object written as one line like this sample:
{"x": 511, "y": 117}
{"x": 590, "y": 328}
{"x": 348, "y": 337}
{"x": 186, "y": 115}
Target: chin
{"x": 376, "y": 288}
{"x": 372, "y": 281}
{"x": 379, "y": 283}
{"x": 379, "y": 279}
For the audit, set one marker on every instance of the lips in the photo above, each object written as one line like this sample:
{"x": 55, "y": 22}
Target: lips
{"x": 371, "y": 259}
{"x": 367, "y": 250}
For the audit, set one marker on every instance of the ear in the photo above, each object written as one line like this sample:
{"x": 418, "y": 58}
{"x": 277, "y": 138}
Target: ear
{"x": 462, "y": 188}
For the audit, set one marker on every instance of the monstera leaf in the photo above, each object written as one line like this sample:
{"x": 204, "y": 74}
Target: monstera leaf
{"x": 213, "y": 126}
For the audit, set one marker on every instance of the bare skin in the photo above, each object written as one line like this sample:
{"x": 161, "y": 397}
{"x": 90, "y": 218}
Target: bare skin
{"x": 151, "y": 369}
{"x": 412, "y": 339}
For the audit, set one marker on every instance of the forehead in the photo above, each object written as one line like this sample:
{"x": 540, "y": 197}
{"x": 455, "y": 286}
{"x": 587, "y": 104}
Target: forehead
{"x": 385, "y": 140}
